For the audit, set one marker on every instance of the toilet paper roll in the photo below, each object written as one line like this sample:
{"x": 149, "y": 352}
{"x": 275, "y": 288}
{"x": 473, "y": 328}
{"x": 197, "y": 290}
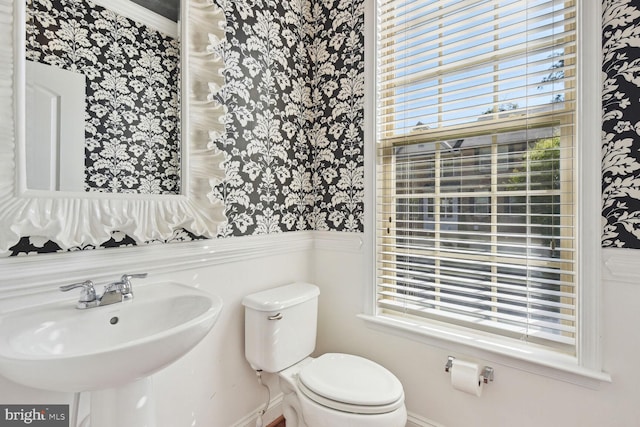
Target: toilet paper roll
{"x": 465, "y": 376}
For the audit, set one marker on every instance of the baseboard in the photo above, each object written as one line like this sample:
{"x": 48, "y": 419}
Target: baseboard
{"x": 274, "y": 411}
{"x": 414, "y": 420}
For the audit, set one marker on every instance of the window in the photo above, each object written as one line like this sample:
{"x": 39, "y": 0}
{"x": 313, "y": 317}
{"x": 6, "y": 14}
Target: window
{"x": 476, "y": 167}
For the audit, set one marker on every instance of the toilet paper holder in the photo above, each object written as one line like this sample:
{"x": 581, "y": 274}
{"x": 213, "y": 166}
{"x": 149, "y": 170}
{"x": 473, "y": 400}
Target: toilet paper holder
{"x": 487, "y": 371}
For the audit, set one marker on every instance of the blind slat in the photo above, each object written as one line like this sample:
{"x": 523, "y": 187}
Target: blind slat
{"x": 517, "y": 329}
{"x": 489, "y": 307}
{"x": 481, "y": 263}
{"x": 489, "y": 289}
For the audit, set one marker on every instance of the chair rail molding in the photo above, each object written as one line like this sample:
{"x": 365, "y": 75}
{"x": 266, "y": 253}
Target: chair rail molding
{"x": 621, "y": 265}
{"x": 27, "y": 276}
{"x": 339, "y": 241}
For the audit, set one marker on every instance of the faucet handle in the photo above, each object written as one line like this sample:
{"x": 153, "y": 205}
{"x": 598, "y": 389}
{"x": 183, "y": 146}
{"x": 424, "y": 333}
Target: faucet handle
{"x": 127, "y": 288}
{"x": 128, "y": 277}
{"x": 87, "y": 293}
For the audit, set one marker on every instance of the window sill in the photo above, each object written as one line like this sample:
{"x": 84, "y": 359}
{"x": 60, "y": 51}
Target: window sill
{"x": 519, "y": 356}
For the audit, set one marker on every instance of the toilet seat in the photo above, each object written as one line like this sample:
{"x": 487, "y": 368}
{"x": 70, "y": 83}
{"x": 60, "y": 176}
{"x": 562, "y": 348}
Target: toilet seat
{"x": 349, "y": 383}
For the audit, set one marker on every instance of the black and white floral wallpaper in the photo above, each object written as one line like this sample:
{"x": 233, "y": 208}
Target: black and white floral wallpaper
{"x": 132, "y": 118}
{"x": 294, "y": 142}
{"x": 295, "y": 91}
{"x": 295, "y": 137}
{"x": 621, "y": 124}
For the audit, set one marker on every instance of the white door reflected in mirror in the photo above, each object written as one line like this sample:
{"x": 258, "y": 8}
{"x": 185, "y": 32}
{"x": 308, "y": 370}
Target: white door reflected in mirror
{"x": 55, "y": 154}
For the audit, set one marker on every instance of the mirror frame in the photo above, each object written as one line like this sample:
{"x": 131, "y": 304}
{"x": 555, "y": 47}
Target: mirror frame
{"x": 74, "y": 220}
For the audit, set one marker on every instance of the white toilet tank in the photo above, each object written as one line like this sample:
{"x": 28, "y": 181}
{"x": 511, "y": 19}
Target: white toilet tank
{"x": 280, "y": 326}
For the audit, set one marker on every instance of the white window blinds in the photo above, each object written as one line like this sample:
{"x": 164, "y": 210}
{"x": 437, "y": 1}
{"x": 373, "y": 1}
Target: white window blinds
{"x": 476, "y": 160}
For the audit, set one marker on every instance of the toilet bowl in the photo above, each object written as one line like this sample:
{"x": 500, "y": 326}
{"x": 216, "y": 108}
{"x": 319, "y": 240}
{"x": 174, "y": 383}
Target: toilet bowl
{"x": 342, "y": 390}
{"x": 332, "y": 390}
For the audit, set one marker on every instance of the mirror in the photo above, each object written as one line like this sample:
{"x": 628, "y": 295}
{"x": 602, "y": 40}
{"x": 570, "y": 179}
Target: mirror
{"x": 79, "y": 219}
{"x": 113, "y": 65}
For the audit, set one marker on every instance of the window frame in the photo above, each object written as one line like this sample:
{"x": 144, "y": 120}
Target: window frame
{"x": 586, "y": 367}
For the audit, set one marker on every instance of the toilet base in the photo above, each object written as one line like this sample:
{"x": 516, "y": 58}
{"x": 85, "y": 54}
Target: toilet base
{"x": 292, "y": 411}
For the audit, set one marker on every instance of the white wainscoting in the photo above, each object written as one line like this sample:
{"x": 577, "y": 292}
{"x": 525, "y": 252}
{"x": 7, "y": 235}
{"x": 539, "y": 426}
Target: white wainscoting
{"x": 516, "y": 395}
{"x": 212, "y": 385}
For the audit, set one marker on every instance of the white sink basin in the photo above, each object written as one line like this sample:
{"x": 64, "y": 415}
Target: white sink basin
{"x": 58, "y": 347}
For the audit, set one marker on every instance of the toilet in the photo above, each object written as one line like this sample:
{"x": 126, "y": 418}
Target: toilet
{"x": 332, "y": 390}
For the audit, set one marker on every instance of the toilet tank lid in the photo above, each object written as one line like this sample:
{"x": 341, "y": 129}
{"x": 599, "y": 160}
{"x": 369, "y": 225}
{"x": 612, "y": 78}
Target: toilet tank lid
{"x": 281, "y": 297}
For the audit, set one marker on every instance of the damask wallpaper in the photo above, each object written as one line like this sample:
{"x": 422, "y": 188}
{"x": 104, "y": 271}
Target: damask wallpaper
{"x": 295, "y": 91}
{"x": 621, "y": 124}
{"x": 294, "y": 142}
{"x": 132, "y": 117}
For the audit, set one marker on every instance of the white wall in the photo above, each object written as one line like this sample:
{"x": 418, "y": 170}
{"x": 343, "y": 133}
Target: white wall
{"x": 213, "y": 385}
{"x": 515, "y": 398}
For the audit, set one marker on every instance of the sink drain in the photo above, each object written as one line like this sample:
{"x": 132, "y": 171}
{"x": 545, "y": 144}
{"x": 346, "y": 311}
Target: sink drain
{"x": 114, "y": 320}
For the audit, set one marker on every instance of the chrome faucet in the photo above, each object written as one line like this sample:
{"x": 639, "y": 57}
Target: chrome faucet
{"x": 121, "y": 290}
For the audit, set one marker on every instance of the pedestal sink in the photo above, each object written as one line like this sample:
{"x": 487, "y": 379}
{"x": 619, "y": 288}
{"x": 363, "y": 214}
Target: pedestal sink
{"x": 108, "y": 350}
